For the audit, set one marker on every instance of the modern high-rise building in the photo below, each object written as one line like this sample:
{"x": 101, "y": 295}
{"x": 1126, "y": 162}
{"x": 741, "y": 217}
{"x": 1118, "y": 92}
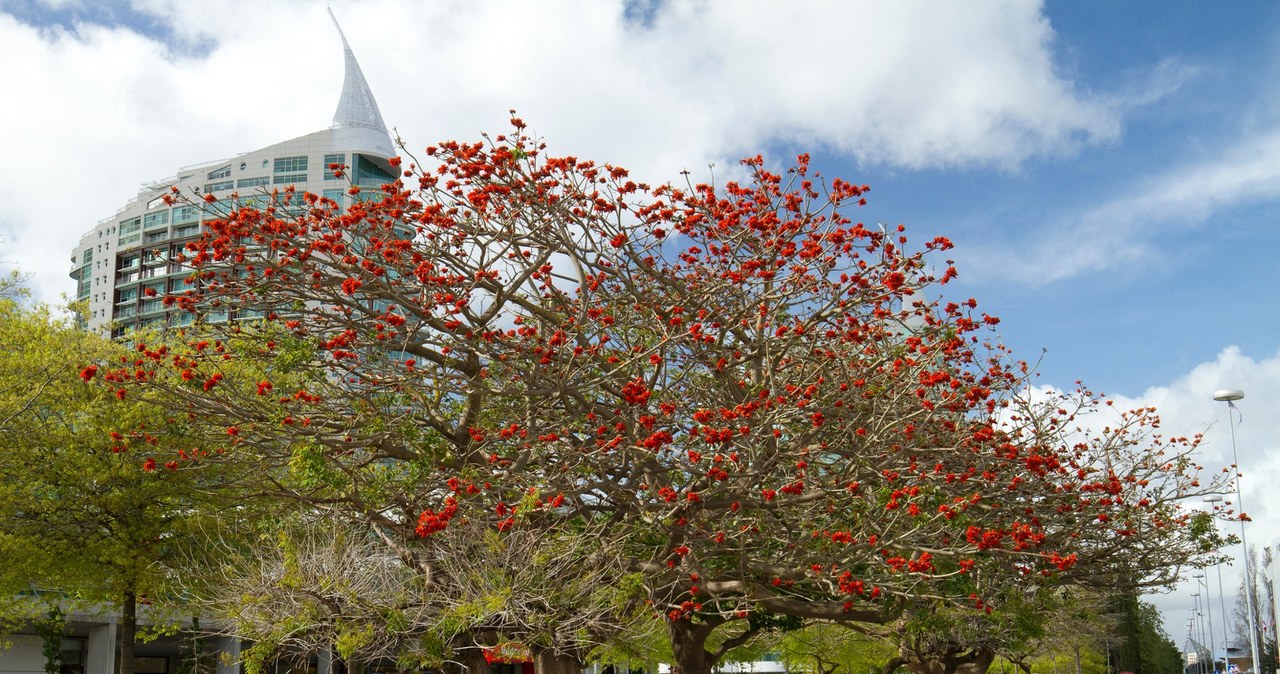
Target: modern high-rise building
{"x": 127, "y": 263}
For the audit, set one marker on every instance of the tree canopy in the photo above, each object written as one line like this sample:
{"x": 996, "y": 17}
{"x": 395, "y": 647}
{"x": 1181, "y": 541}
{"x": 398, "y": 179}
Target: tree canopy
{"x": 85, "y": 520}
{"x": 756, "y": 408}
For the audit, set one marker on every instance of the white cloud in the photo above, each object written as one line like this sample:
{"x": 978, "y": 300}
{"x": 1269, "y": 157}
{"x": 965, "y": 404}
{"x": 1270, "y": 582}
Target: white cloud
{"x": 1186, "y": 408}
{"x": 1128, "y": 228}
{"x": 910, "y": 84}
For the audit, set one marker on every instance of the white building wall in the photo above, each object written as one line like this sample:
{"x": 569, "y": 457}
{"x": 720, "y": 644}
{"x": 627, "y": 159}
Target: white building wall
{"x": 23, "y": 655}
{"x": 100, "y": 649}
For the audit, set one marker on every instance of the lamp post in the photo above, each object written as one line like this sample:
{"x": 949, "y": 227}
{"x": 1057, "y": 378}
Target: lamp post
{"x": 1229, "y": 396}
{"x": 1198, "y": 629}
{"x": 1208, "y": 607}
{"x": 1191, "y": 636}
{"x": 1215, "y": 499}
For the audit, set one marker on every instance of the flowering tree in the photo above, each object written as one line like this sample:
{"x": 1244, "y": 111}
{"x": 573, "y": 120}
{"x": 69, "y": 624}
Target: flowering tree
{"x": 741, "y": 391}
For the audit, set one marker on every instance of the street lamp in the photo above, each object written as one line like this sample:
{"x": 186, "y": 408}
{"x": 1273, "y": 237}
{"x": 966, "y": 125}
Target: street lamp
{"x": 1229, "y": 396}
{"x": 1198, "y": 630}
{"x": 1222, "y": 598}
{"x": 1208, "y": 607}
{"x": 1195, "y": 646}
{"x": 1191, "y": 637}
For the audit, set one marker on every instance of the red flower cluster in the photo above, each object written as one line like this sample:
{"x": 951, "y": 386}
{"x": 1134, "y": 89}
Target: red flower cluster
{"x": 431, "y": 522}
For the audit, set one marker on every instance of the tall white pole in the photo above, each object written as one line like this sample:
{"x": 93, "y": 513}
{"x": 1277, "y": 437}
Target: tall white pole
{"x": 1208, "y": 607}
{"x": 1198, "y": 624}
{"x": 1229, "y": 396}
{"x": 1214, "y": 500}
{"x": 1226, "y": 622}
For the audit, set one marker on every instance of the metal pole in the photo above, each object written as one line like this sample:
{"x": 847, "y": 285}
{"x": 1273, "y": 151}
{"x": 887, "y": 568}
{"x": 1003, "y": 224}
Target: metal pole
{"x": 1191, "y": 637}
{"x": 1208, "y": 606}
{"x": 1229, "y": 396}
{"x": 1226, "y": 623}
{"x": 1198, "y": 627}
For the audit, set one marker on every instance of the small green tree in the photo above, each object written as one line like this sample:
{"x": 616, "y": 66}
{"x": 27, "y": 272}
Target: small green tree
{"x": 86, "y": 515}
{"x": 825, "y": 648}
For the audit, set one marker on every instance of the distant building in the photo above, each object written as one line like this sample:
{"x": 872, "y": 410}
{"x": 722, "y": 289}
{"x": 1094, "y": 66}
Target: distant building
{"x": 133, "y": 252}
{"x": 125, "y": 265}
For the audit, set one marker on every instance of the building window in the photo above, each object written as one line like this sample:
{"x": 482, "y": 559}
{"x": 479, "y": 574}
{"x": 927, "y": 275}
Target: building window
{"x": 252, "y": 182}
{"x": 366, "y": 173}
{"x": 183, "y": 232}
{"x": 185, "y": 214}
{"x": 157, "y": 219}
{"x": 223, "y": 172}
{"x": 130, "y": 226}
{"x": 329, "y": 161}
{"x": 219, "y": 186}
{"x": 290, "y": 165}
{"x": 290, "y": 178}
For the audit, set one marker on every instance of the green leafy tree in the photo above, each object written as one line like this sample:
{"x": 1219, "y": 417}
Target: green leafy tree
{"x": 827, "y": 648}
{"x": 1141, "y": 644}
{"x": 85, "y": 518}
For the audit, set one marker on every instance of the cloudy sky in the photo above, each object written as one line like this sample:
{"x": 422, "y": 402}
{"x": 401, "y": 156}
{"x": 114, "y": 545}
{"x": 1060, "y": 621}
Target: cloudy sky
{"x": 1110, "y": 172}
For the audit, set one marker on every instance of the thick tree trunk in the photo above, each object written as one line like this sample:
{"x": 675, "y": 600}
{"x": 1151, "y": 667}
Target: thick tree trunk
{"x": 979, "y": 663}
{"x": 976, "y": 661}
{"x": 688, "y": 643}
{"x": 128, "y": 630}
{"x": 551, "y": 661}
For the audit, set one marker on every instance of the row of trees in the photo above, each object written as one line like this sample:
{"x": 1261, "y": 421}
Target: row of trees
{"x": 523, "y": 398}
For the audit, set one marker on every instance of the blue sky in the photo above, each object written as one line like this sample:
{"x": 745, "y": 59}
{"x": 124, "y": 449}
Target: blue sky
{"x": 1110, "y": 172}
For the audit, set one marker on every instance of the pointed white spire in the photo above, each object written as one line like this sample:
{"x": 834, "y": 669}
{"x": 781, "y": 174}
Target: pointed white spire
{"x": 357, "y": 123}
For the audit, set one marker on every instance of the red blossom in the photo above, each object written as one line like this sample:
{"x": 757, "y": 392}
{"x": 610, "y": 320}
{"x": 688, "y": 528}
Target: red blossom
{"x": 431, "y": 522}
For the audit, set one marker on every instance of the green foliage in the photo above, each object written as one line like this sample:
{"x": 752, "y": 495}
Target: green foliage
{"x": 85, "y": 523}
{"x": 13, "y": 286}
{"x": 51, "y": 630}
{"x": 1143, "y": 646}
{"x": 833, "y": 649}
{"x": 351, "y": 639}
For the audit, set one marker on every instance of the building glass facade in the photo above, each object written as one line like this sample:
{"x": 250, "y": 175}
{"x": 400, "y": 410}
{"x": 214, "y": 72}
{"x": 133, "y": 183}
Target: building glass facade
{"x": 124, "y": 284}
